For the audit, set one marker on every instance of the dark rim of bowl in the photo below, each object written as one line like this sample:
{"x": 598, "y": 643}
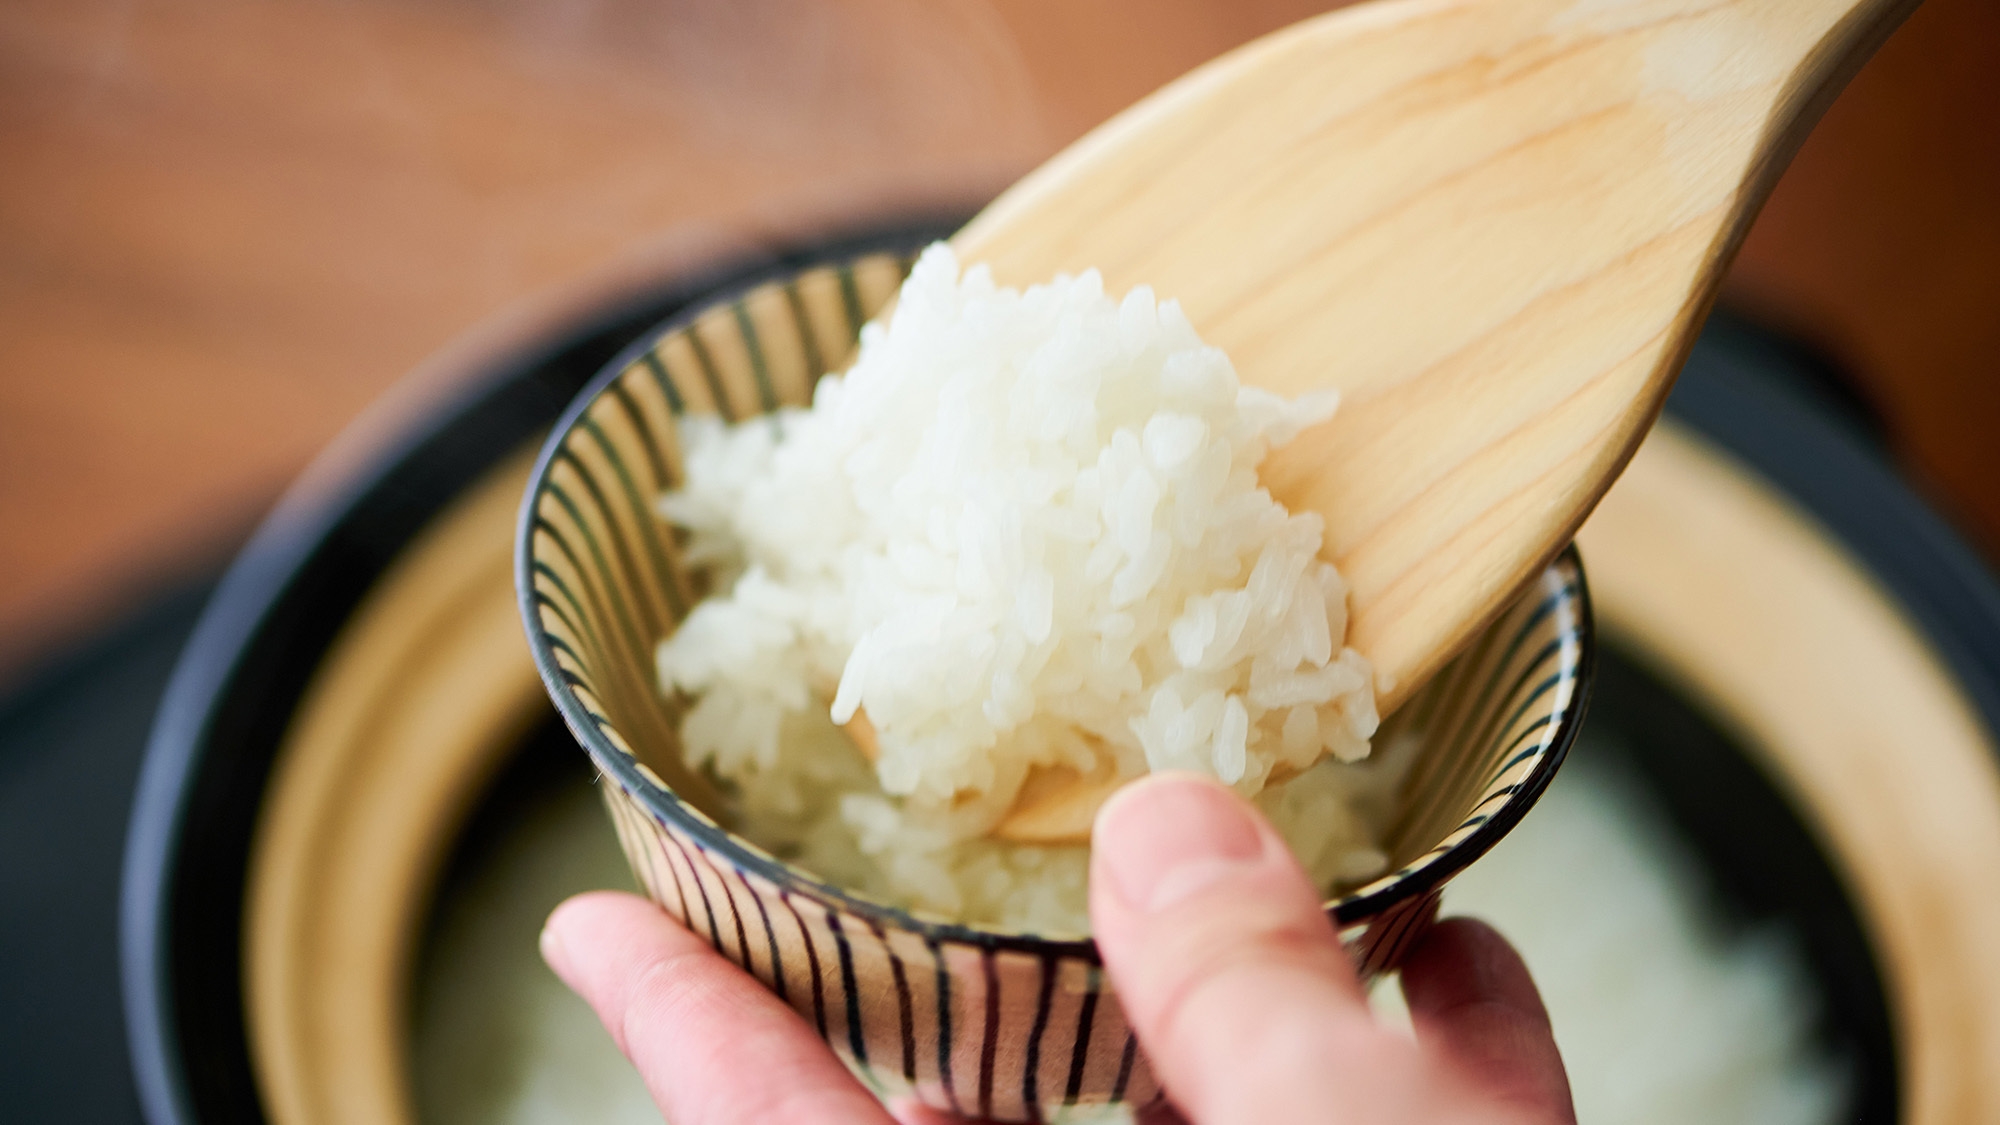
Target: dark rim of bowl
{"x": 1528, "y": 792}
{"x": 664, "y": 803}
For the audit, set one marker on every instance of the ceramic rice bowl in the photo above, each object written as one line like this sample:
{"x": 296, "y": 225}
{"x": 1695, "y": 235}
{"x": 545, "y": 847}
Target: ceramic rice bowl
{"x": 974, "y": 1020}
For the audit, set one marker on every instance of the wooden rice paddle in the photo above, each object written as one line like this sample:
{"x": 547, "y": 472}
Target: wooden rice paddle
{"x": 1493, "y": 225}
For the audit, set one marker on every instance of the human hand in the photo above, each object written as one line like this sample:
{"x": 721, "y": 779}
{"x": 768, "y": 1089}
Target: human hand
{"x": 1228, "y": 969}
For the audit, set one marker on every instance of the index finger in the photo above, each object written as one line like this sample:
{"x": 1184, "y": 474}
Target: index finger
{"x": 714, "y": 1046}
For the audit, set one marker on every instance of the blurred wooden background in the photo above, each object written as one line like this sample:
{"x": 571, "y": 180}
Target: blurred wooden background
{"x": 226, "y": 228}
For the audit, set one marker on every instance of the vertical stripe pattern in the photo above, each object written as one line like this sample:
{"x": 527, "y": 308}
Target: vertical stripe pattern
{"x": 1008, "y": 1025}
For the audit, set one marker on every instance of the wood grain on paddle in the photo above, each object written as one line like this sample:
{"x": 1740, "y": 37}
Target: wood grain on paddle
{"x": 1493, "y": 225}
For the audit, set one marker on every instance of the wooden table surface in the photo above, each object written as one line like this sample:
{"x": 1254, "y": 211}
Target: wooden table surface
{"x": 227, "y": 228}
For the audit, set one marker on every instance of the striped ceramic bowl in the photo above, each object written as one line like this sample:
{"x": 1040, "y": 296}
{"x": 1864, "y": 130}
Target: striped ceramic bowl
{"x": 975, "y": 1020}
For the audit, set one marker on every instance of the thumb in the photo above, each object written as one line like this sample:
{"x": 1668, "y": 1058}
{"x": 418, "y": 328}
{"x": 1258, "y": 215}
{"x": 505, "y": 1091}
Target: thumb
{"x": 1230, "y": 971}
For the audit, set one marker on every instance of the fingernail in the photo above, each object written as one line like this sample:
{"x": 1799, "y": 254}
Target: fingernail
{"x": 1168, "y": 837}
{"x": 552, "y": 952}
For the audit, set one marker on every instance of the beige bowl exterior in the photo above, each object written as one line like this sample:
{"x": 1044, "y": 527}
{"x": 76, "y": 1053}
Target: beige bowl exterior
{"x": 1005, "y": 1025}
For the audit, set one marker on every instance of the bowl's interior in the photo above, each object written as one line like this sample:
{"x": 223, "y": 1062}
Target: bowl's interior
{"x": 603, "y": 581}
{"x": 601, "y": 574}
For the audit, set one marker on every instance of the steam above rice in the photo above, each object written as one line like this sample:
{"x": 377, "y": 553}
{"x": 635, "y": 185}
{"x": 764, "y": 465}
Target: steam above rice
{"x": 1024, "y": 532}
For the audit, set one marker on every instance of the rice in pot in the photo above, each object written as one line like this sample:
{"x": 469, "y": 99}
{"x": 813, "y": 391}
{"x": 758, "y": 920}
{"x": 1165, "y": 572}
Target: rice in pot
{"x": 1023, "y": 532}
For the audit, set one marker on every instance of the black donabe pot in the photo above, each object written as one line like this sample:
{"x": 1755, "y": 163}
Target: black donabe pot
{"x": 260, "y": 639}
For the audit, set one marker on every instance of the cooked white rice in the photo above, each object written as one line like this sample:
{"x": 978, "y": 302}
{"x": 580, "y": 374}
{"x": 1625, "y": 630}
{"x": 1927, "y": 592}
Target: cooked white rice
{"x": 1664, "y": 1011}
{"x": 1024, "y": 531}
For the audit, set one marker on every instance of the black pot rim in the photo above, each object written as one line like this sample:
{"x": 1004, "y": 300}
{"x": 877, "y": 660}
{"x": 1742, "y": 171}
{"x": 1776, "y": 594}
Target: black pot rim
{"x": 1802, "y": 447}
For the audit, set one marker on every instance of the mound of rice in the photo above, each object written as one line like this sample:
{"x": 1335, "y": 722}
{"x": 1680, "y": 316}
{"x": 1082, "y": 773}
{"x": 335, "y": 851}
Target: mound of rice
{"x": 1023, "y": 532}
